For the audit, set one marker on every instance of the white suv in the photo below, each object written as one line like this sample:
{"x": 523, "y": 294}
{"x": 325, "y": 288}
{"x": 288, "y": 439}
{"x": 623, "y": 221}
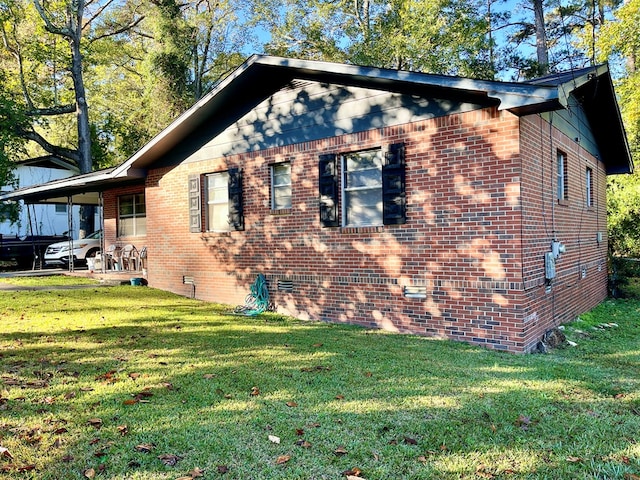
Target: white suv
{"x": 58, "y": 253}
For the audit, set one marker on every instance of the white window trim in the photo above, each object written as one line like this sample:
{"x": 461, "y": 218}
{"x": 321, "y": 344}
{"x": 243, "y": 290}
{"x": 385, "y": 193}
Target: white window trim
{"x": 134, "y": 215}
{"x": 589, "y": 187}
{"x": 274, "y": 187}
{"x": 344, "y": 190}
{"x": 561, "y": 178}
{"x": 210, "y": 202}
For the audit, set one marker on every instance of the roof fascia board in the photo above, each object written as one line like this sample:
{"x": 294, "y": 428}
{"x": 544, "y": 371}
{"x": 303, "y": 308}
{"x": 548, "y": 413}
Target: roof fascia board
{"x": 70, "y": 182}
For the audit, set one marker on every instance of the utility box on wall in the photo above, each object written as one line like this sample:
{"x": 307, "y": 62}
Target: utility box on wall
{"x": 549, "y": 266}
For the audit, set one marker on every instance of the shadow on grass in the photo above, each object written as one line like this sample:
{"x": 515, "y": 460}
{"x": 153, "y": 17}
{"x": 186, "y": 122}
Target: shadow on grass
{"x": 398, "y": 406}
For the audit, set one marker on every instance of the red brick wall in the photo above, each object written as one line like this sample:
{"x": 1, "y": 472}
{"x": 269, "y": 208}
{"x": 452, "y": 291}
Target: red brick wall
{"x": 581, "y": 281}
{"x": 462, "y": 240}
{"x": 110, "y": 200}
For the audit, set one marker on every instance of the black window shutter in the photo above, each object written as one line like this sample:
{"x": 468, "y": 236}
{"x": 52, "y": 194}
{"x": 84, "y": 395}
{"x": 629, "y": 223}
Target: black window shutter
{"x": 236, "y": 212}
{"x": 195, "y": 204}
{"x": 328, "y": 187}
{"x": 394, "y": 210}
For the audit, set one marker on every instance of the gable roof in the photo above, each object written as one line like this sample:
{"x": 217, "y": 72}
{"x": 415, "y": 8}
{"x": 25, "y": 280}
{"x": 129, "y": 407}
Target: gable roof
{"x": 260, "y": 76}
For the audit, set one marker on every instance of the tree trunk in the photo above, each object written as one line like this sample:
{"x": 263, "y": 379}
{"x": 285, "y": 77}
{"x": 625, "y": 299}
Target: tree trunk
{"x": 541, "y": 37}
{"x": 85, "y": 161}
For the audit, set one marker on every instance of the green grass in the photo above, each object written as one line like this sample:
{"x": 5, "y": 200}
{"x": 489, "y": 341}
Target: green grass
{"x": 177, "y": 375}
{"x": 48, "y": 281}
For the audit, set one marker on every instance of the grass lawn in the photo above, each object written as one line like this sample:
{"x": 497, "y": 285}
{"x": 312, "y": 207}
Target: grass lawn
{"x": 134, "y": 383}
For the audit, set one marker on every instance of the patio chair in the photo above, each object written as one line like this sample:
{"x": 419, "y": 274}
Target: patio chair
{"x": 142, "y": 259}
{"x": 113, "y": 257}
{"x": 129, "y": 257}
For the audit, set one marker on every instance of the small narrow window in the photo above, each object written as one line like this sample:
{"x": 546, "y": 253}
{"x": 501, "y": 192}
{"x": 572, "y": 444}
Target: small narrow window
{"x": 589, "y": 187}
{"x": 562, "y": 192}
{"x": 281, "y": 186}
{"x": 132, "y": 215}
{"x": 218, "y": 202}
{"x": 362, "y": 188}
{"x": 61, "y": 208}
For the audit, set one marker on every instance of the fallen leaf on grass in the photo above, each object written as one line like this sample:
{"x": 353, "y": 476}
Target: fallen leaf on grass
{"x": 353, "y": 472}
{"x": 317, "y": 345}
{"x": 145, "y": 447}
{"x": 134, "y": 375}
{"x": 631, "y": 476}
{"x": 223, "y": 469}
{"x": 303, "y": 444}
{"x": 482, "y": 472}
{"x": 339, "y": 397}
{"x": 95, "y": 422}
{"x": 317, "y": 368}
{"x": 123, "y": 430}
{"x": 354, "y": 477}
{"x": 523, "y": 422}
{"x": 4, "y": 452}
{"x": 410, "y": 441}
{"x": 341, "y": 450}
{"x": 292, "y": 404}
{"x": 571, "y": 459}
{"x": 299, "y": 431}
{"x": 422, "y": 459}
{"x": 196, "y": 473}
{"x": 282, "y": 459}
{"x": 90, "y": 473}
{"x": 209, "y": 376}
{"x": 274, "y": 439}
{"x": 26, "y": 468}
{"x": 131, "y": 401}
{"x": 255, "y": 391}
{"x": 169, "y": 459}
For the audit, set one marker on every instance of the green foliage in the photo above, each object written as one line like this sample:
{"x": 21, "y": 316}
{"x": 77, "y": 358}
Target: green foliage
{"x": 11, "y": 122}
{"x": 120, "y": 379}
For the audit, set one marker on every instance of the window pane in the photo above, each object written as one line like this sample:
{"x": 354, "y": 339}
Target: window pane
{"x": 364, "y": 178}
{"x": 125, "y": 227}
{"x": 219, "y": 217}
{"x": 126, "y": 205}
{"x": 282, "y": 198}
{"x": 364, "y": 207}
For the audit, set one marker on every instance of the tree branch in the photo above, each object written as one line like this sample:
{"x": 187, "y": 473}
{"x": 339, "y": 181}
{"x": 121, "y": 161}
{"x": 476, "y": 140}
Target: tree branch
{"x": 62, "y": 152}
{"x": 58, "y": 110}
{"x": 49, "y": 26}
{"x": 118, "y": 31}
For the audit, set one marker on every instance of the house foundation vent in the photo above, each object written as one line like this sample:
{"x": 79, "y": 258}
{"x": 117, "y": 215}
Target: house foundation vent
{"x": 285, "y": 285}
{"x": 415, "y": 291}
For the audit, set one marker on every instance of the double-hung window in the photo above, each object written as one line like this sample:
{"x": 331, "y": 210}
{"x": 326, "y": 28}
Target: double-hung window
{"x": 218, "y": 202}
{"x": 132, "y": 215}
{"x": 222, "y": 201}
{"x": 365, "y": 188}
{"x": 562, "y": 178}
{"x": 589, "y": 187}
{"x": 281, "y": 186}
{"x": 362, "y": 188}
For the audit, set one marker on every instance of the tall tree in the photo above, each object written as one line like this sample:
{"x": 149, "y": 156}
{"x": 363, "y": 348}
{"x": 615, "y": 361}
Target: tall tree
{"x": 75, "y": 24}
{"x": 619, "y": 43}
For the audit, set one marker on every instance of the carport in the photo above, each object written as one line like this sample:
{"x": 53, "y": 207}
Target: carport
{"x": 82, "y": 190}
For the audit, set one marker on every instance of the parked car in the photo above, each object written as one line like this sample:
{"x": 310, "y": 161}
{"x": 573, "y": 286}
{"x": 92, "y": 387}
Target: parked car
{"x": 58, "y": 253}
{"x": 28, "y": 251}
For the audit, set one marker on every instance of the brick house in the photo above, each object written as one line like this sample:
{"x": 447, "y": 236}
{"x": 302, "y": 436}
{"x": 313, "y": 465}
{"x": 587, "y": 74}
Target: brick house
{"x": 443, "y": 206}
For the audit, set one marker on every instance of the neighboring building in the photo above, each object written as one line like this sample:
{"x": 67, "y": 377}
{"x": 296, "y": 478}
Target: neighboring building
{"x": 443, "y": 206}
{"x": 42, "y": 219}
